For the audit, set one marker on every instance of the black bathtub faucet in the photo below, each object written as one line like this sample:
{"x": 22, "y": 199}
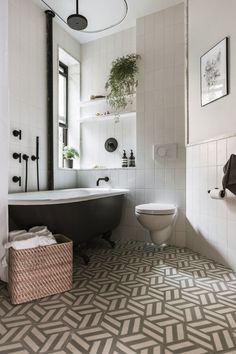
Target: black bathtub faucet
{"x": 106, "y": 179}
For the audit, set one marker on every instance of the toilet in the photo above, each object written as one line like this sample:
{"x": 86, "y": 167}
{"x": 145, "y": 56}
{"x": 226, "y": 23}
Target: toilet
{"x": 158, "y": 219}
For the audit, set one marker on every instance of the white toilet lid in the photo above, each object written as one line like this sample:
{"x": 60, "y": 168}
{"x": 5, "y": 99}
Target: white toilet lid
{"x": 156, "y": 209}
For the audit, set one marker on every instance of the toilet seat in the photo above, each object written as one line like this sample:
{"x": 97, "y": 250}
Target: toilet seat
{"x": 156, "y": 209}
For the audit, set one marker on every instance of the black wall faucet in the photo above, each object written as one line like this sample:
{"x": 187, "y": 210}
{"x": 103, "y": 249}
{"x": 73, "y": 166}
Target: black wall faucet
{"x": 106, "y": 179}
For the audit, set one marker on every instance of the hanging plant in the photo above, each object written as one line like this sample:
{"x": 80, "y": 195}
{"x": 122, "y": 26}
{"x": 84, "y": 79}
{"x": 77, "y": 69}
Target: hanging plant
{"x": 122, "y": 81}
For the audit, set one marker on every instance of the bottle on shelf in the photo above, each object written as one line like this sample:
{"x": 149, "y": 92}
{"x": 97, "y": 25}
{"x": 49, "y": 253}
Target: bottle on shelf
{"x": 124, "y": 159}
{"x": 131, "y": 159}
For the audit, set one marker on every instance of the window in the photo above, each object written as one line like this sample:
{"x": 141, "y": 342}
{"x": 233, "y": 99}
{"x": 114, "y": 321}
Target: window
{"x": 68, "y": 106}
{"x": 62, "y": 109}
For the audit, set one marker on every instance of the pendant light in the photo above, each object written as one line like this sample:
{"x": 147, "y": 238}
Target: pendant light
{"x": 76, "y": 21}
{"x": 79, "y": 23}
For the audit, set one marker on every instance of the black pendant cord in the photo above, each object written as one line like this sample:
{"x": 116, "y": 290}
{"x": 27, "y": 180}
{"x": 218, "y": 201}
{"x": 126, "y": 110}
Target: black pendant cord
{"x": 77, "y": 7}
{"x": 26, "y": 158}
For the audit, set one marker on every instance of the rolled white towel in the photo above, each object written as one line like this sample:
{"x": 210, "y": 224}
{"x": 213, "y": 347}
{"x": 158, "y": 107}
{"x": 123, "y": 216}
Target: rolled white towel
{"x": 25, "y": 243}
{"x": 41, "y": 230}
{"x": 46, "y": 240}
{"x": 38, "y": 229}
{"x": 32, "y": 241}
{"x": 36, "y": 237}
{"x": 15, "y": 233}
{"x": 23, "y": 236}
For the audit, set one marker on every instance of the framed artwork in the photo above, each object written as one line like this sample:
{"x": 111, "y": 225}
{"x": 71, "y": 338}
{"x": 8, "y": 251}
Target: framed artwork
{"x": 214, "y": 73}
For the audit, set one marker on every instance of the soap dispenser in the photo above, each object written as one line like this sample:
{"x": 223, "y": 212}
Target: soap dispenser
{"x": 131, "y": 159}
{"x": 124, "y": 159}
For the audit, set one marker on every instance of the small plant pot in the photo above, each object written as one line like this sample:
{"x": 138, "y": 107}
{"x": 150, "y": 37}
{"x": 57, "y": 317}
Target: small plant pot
{"x": 68, "y": 163}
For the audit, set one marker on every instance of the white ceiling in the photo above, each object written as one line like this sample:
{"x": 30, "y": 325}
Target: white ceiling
{"x": 102, "y": 13}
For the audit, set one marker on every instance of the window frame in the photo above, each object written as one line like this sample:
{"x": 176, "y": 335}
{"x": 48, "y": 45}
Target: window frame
{"x": 65, "y": 126}
{"x": 65, "y": 74}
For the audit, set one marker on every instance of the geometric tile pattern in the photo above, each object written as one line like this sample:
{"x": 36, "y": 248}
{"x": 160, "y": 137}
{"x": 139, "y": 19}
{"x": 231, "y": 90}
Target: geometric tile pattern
{"x": 132, "y": 299}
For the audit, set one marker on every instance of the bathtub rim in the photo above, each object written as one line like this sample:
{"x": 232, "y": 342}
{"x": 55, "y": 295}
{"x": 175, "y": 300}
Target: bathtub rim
{"x": 23, "y": 198}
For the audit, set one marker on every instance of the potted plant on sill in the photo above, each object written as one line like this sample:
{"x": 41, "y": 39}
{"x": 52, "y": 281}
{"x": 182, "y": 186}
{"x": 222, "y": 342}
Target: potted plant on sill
{"x": 69, "y": 155}
{"x": 122, "y": 82}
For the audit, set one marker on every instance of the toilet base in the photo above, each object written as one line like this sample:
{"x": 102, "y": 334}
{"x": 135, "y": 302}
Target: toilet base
{"x": 161, "y": 237}
{"x": 160, "y": 226}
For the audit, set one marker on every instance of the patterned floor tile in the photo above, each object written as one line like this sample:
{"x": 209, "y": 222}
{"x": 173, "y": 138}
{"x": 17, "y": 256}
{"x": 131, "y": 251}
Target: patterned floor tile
{"x": 133, "y": 299}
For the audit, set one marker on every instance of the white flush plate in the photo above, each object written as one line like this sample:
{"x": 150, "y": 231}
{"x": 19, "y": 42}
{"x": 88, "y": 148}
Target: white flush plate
{"x": 167, "y": 151}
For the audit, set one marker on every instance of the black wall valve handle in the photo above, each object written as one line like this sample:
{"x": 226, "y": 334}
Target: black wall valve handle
{"x": 17, "y": 179}
{"x": 17, "y": 133}
{"x": 111, "y": 144}
{"x": 34, "y": 158}
{"x": 17, "y": 156}
{"x": 25, "y": 157}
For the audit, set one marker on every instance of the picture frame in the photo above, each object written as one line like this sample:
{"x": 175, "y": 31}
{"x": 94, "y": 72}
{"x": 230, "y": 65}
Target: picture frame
{"x": 214, "y": 73}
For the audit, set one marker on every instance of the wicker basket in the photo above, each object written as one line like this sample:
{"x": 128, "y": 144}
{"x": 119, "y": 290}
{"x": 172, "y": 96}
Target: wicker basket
{"x": 38, "y": 272}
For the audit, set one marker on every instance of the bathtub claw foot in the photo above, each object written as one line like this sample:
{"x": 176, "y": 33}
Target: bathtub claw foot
{"x": 79, "y": 251}
{"x": 107, "y": 237}
{"x": 85, "y": 259}
{"x": 112, "y": 243}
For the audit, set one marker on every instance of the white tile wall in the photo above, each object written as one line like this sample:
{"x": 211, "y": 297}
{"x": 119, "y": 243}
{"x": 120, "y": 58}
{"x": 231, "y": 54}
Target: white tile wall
{"x": 160, "y": 119}
{"x": 97, "y": 57}
{"x": 27, "y": 88}
{"x": 94, "y": 135}
{"x": 27, "y": 100}
{"x": 211, "y": 223}
{"x": 4, "y": 122}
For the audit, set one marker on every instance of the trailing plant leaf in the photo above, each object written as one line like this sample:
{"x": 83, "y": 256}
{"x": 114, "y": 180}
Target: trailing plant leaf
{"x": 70, "y": 153}
{"x": 122, "y": 81}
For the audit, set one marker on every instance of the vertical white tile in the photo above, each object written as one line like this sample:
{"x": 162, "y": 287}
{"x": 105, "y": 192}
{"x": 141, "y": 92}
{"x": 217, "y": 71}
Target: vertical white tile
{"x": 212, "y": 153}
{"x": 159, "y": 178}
{"x": 231, "y": 235}
{"x": 160, "y": 117}
{"x": 139, "y": 196}
{"x": 131, "y": 179}
{"x": 169, "y": 178}
{"x": 180, "y": 178}
{"x": 231, "y": 146}
{"x": 149, "y": 178}
{"x": 221, "y": 152}
{"x": 140, "y": 179}
{"x": 203, "y": 155}
{"x": 123, "y": 179}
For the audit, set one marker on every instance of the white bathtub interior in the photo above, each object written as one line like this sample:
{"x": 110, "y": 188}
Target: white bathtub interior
{"x": 63, "y": 196}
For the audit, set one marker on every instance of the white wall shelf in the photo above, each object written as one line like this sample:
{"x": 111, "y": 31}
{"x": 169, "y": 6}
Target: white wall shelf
{"x": 98, "y": 100}
{"x": 92, "y": 102}
{"x": 107, "y": 117}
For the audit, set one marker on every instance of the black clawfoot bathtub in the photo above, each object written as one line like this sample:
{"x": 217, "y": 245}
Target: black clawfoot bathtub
{"x": 80, "y": 214}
